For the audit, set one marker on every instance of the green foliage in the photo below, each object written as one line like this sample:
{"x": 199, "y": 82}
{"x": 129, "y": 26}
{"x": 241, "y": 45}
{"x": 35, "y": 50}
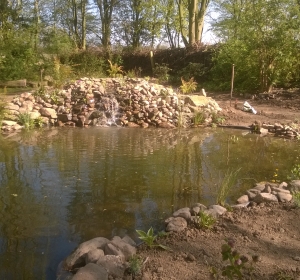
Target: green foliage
{"x": 149, "y": 238}
{"x": 189, "y": 86}
{"x": 161, "y": 71}
{"x": 294, "y": 173}
{"x": 237, "y": 263}
{"x": 26, "y": 120}
{"x": 226, "y": 185}
{"x": 38, "y": 122}
{"x": 199, "y": 118}
{"x": 217, "y": 119}
{"x": 2, "y": 109}
{"x": 205, "y": 220}
{"x": 196, "y": 70}
{"x": 260, "y": 40}
{"x": 296, "y": 199}
{"x": 115, "y": 69}
{"x": 135, "y": 265}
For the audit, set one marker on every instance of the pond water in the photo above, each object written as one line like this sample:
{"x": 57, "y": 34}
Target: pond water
{"x": 62, "y": 186}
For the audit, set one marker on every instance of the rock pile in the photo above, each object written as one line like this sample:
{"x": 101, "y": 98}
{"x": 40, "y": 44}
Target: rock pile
{"x": 277, "y": 129}
{"x": 268, "y": 192}
{"x": 98, "y": 258}
{"x": 105, "y": 102}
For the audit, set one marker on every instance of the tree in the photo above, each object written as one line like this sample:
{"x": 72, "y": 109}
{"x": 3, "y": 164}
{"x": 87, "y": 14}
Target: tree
{"x": 196, "y": 13}
{"x": 261, "y": 39}
{"x": 106, "y": 9}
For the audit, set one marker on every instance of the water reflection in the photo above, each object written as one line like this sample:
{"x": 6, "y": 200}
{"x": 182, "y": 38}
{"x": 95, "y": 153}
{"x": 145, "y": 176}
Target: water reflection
{"x": 60, "y": 187}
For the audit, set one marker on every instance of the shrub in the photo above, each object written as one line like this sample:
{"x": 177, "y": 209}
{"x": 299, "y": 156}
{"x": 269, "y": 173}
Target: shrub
{"x": 296, "y": 198}
{"x": 188, "y": 87}
{"x": 26, "y": 120}
{"x": 149, "y": 238}
{"x": 161, "y": 72}
{"x": 204, "y": 220}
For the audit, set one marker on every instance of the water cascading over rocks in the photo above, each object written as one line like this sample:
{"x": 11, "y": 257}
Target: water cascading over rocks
{"x": 131, "y": 102}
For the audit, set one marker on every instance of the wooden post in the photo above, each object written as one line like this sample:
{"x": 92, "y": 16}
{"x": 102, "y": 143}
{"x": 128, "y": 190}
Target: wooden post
{"x": 152, "y": 61}
{"x": 232, "y": 80}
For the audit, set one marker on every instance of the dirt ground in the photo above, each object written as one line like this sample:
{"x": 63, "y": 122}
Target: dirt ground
{"x": 271, "y": 233}
{"x": 281, "y": 106}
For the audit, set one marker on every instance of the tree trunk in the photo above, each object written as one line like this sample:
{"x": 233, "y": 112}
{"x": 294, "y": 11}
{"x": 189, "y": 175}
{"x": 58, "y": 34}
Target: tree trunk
{"x": 192, "y": 6}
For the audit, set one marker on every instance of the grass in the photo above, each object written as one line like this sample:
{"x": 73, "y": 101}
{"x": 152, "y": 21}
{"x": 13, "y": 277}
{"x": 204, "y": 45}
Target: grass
{"x": 26, "y": 120}
{"x": 226, "y": 185}
{"x": 205, "y": 221}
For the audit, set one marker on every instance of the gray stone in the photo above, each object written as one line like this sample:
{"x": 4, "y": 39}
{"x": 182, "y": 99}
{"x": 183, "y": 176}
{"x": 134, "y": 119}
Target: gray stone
{"x": 176, "y": 224}
{"x": 197, "y": 207}
{"x": 93, "y": 256}
{"x": 77, "y": 258}
{"x": 242, "y": 205}
{"x": 91, "y": 272}
{"x": 277, "y": 190}
{"x": 218, "y": 208}
{"x": 284, "y": 197}
{"x": 294, "y": 186}
{"x": 243, "y": 199}
{"x": 11, "y": 106}
{"x": 34, "y": 115}
{"x": 267, "y": 189}
{"x": 260, "y": 186}
{"x": 48, "y": 112}
{"x": 9, "y": 123}
{"x": 129, "y": 240}
{"x": 252, "y": 193}
{"x": 184, "y": 213}
{"x": 110, "y": 249}
{"x": 114, "y": 265}
{"x": 265, "y": 197}
{"x": 283, "y": 185}
{"x": 127, "y": 249}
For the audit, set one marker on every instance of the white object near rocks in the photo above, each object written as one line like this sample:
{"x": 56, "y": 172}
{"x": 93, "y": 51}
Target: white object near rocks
{"x": 203, "y": 92}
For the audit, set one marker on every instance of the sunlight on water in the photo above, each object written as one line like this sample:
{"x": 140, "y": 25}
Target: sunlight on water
{"x": 60, "y": 187}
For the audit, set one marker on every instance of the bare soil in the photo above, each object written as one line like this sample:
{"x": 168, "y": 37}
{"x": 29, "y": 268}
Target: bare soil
{"x": 280, "y": 106}
{"x": 271, "y": 233}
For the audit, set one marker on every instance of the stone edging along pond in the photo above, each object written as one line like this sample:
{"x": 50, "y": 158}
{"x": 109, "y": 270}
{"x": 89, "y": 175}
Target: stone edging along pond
{"x": 103, "y": 258}
{"x": 126, "y": 102}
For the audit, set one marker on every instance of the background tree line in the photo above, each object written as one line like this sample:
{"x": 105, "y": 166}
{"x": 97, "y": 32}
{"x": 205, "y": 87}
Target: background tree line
{"x": 62, "y": 39}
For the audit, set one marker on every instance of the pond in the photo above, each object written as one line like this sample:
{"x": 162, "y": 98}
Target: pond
{"x": 63, "y": 186}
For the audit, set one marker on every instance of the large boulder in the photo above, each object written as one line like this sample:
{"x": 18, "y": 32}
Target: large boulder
{"x": 77, "y": 258}
{"x": 91, "y": 272}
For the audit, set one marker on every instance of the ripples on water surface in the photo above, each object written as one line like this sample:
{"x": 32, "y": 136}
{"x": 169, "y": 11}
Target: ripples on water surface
{"x": 60, "y": 187}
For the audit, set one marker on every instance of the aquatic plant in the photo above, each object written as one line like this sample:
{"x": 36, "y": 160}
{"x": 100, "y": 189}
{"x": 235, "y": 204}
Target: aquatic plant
{"x": 294, "y": 173}
{"x": 26, "y": 120}
{"x": 199, "y": 118}
{"x": 226, "y": 186}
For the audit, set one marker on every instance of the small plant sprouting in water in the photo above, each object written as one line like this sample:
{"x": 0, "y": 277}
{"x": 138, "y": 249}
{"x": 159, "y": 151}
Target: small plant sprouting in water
{"x": 149, "y": 238}
{"x": 237, "y": 263}
{"x": 204, "y": 220}
{"x": 26, "y": 120}
{"x": 199, "y": 118}
{"x": 188, "y": 87}
{"x": 226, "y": 185}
